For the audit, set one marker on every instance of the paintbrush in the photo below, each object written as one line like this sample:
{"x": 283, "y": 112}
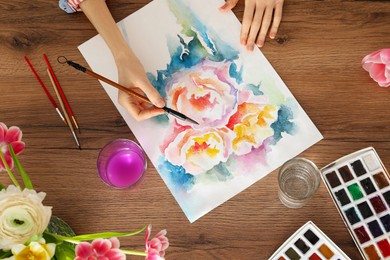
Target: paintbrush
{"x": 124, "y": 89}
{"x": 53, "y": 102}
{"x": 62, "y": 94}
{"x": 63, "y": 109}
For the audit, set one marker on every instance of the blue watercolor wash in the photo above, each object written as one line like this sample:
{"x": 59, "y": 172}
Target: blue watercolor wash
{"x": 235, "y": 73}
{"x": 221, "y": 172}
{"x": 255, "y": 89}
{"x": 283, "y": 124}
{"x": 176, "y": 174}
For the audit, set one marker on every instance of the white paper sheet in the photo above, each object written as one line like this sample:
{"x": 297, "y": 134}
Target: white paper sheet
{"x": 250, "y": 123}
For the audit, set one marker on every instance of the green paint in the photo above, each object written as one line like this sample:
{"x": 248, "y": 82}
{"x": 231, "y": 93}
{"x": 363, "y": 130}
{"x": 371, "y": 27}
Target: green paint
{"x": 276, "y": 97}
{"x": 355, "y": 191}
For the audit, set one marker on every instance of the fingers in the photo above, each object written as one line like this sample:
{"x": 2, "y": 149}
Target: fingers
{"x": 277, "y": 18}
{"x": 247, "y": 21}
{"x": 229, "y": 5}
{"x": 137, "y": 108}
{"x": 254, "y": 28}
{"x": 264, "y": 27}
{"x": 257, "y": 20}
{"x": 152, "y": 94}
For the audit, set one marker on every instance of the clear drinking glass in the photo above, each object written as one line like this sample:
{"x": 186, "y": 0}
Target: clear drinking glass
{"x": 298, "y": 179}
{"x": 121, "y": 163}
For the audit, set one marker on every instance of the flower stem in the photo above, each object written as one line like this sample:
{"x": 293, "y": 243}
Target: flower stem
{"x": 80, "y": 238}
{"x": 131, "y": 252}
{"x": 10, "y": 174}
{"x": 26, "y": 179}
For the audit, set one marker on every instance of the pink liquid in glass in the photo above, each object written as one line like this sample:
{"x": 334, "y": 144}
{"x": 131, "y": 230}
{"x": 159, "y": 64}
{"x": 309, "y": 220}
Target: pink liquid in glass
{"x": 121, "y": 163}
{"x": 124, "y": 168}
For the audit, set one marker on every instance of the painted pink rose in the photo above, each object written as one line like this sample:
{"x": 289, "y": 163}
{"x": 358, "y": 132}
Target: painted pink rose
{"x": 197, "y": 150}
{"x": 378, "y": 65}
{"x": 100, "y": 249}
{"x": 157, "y": 246}
{"x": 251, "y": 123}
{"x": 12, "y": 136}
{"x": 205, "y": 92}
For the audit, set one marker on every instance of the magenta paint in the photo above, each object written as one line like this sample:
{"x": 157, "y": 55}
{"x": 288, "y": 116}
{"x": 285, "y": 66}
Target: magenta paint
{"x": 121, "y": 163}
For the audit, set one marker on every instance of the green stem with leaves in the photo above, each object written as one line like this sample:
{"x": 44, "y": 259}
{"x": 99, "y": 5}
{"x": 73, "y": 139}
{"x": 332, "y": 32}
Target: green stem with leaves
{"x": 81, "y": 238}
{"x": 26, "y": 179}
{"x": 10, "y": 174}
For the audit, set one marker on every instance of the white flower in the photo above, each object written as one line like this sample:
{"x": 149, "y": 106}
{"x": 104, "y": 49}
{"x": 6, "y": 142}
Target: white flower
{"x": 22, "y": 216}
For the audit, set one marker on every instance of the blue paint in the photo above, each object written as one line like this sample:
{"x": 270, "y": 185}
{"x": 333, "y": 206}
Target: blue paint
{"x": 255, "y": 89}
{"x": 221, "y": 172}
{"x": 283, "y": 124}
{"x": 176, "y": 174}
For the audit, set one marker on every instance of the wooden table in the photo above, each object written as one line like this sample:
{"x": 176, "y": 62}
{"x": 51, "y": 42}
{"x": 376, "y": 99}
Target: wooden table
{"x": 317, "y": 53}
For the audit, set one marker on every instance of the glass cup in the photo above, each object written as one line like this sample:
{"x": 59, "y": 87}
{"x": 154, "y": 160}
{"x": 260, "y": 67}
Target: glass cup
{"x": 121, "y": 163}
{"x": 298, "y": 181}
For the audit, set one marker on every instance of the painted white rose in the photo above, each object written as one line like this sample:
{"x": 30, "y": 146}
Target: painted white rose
{"x": 22, "y": 216}
{"x": 199, "y": 150}
{"x": 205, "y": 92}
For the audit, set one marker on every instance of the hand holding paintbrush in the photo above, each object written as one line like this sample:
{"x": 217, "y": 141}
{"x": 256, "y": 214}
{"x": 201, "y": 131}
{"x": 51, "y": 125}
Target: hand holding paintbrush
{"x": 124, "y": 89}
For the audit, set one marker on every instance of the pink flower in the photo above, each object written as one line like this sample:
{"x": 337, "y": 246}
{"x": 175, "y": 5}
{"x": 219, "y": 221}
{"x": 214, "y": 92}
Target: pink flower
{"x": 100, "y": 249}
{"x": 378, "y": 65}
{"x": 12, "y": 136}
{"x": 198, "y": 150}
{"x": 157, "y": 246}
{"x": 206, "y": 92}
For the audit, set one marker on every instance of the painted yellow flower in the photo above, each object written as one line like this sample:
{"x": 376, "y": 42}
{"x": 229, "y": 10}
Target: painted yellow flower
{"x": 34, "y": 251}
{"x": 252, "y": 125}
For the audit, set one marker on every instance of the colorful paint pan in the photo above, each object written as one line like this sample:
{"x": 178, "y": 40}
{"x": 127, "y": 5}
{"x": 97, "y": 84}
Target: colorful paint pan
{"x": 308, "y": 242}
{"x": 359, "y": 185}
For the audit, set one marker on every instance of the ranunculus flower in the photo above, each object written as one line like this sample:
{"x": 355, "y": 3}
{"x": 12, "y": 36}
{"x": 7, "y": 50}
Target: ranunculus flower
{"x": 198, "y": 150}
{"x": 205, "y": 92}
{"x": 157, "y": 246}
{"x": 378, "y": 65}
{"x": 12, "y": 136}
{"x": 251, "y": 123}
{"x": 35, "y": 250}
{"x": 22, "y": 216}
{"x": 100, "y": 249}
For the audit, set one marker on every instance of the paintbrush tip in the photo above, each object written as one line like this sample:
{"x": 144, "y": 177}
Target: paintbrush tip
{"x": 192, "y": 121}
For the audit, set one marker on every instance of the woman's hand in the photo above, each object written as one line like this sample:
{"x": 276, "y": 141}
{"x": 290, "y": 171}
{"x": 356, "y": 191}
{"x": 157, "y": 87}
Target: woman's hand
{"x": 258, "y": 15}
{"x": 131, "y": 74}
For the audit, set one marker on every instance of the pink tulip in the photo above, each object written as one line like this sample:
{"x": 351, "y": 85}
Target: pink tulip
{"x": 157, "y": 246}
{"x": 12, "y": 136}
{"x": 100, "y": 249}
{"x": 378, "y": 65}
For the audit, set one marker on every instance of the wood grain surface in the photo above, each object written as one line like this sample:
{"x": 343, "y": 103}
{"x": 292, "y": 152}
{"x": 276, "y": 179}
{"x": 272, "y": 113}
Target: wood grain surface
{"x": 317, "y": 52}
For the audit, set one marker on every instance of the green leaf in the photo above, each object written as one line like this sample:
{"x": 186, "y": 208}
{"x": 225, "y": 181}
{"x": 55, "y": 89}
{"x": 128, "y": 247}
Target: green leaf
{"x": 5, "y": 254}
{"x": 2, "y": 187}
{"x": 77, "y": 239}
{"x": 10, "y": 174}
{"x": 26, "y": 179}
{"x": 65, "y": 251}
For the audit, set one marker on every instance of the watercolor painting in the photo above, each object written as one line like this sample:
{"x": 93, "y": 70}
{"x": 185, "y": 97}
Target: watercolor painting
{"x": 249, "y": 122}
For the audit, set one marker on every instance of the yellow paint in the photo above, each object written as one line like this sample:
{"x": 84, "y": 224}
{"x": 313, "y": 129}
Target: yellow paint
{"x": 255, "y": 117}
{"x": 201, "y": 145}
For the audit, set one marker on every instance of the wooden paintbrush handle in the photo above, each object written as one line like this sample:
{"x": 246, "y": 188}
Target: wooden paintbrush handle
{"x": 120, "y": 87}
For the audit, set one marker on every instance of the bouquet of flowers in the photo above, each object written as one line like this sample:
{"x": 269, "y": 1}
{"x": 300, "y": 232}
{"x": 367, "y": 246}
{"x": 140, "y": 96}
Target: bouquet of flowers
{"x": 29, "y": 231}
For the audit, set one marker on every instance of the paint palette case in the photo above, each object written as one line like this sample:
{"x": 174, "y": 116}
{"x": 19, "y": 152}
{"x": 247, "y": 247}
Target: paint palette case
{"x": 359, "y": 186}
{"x": 309, "y": 242}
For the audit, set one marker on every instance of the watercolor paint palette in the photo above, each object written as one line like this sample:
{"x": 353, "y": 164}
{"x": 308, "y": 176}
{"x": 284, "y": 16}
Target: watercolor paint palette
{"x": 360, "y": 188}
{"x": 309, "y": 242}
